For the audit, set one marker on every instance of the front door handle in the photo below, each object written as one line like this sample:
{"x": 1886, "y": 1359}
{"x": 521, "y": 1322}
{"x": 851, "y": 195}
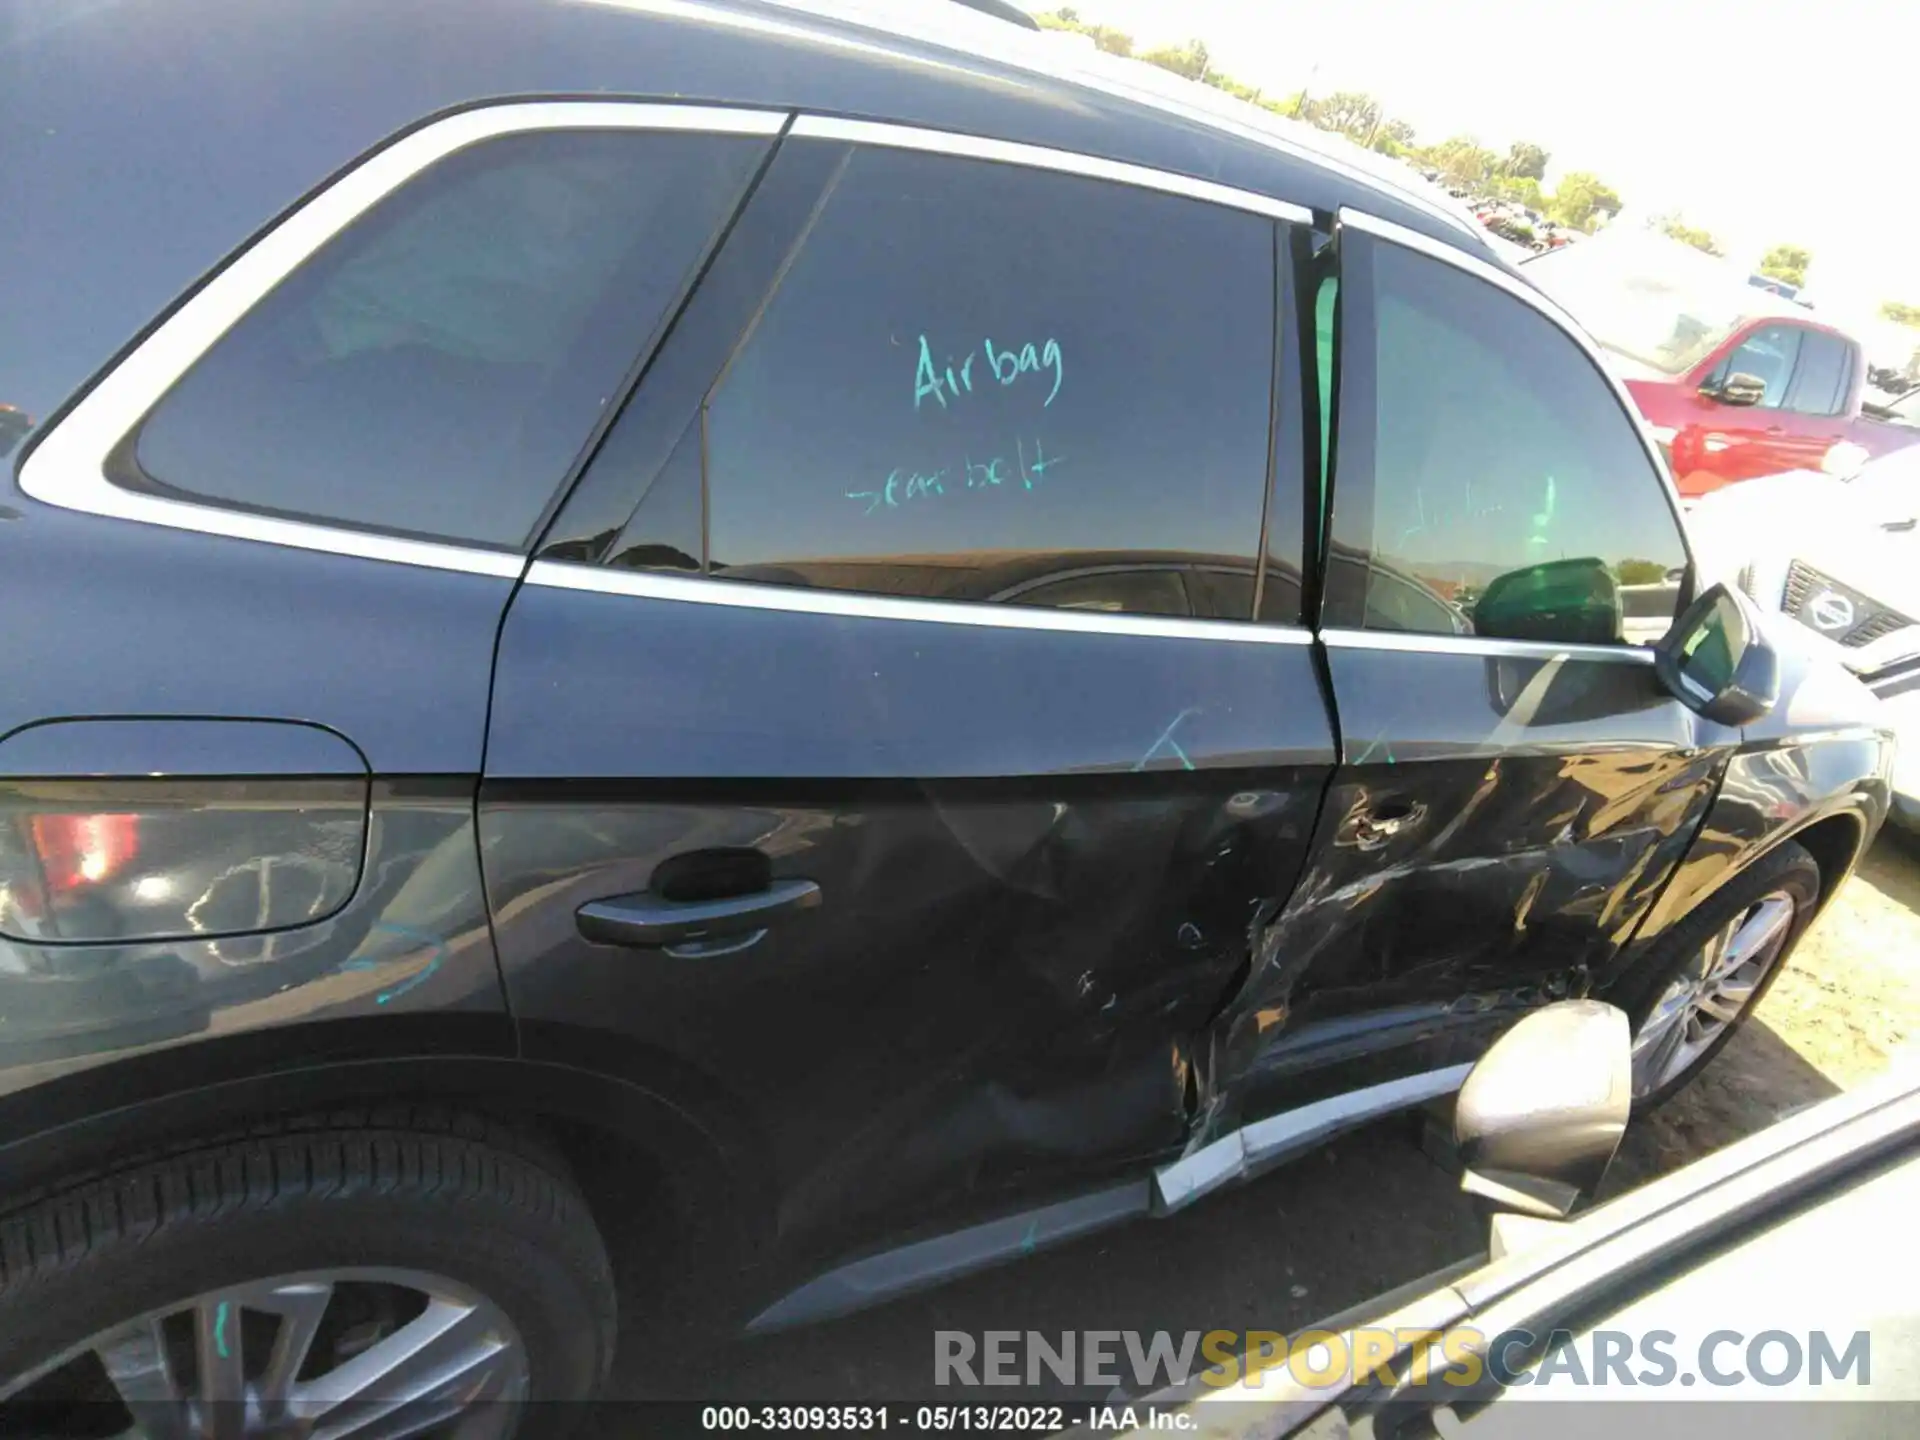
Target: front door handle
{"x": 651, "y": 921}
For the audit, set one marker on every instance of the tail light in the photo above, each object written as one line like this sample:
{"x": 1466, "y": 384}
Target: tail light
{"x": 136, "y": 831}
{"x": 165, "y": 859}
{"x": 80, "y": 850}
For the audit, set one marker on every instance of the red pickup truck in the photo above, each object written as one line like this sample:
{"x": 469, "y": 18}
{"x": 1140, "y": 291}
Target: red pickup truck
{"x": 1734, "y": 382}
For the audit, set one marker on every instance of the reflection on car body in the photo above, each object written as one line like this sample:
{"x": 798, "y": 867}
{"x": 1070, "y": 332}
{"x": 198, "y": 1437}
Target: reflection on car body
{"x": 820, "y": 660}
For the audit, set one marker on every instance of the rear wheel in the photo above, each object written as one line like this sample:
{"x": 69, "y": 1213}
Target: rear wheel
{"x": 372, "y": 1279}
{"x": 1704, "y": 979}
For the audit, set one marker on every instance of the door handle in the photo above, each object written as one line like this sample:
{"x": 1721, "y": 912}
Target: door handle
{"x": 648, "y": 921}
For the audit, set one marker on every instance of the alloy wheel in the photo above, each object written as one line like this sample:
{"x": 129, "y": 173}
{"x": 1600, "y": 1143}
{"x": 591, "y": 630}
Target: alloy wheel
{"x": 1709, "y": 993}
{"x": 364, "y": 1353}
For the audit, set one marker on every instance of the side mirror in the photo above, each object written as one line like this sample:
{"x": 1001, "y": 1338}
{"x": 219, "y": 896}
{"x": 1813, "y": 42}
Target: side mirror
{"x": 1576, "y": 601}
{"x": 1739, "y": 388}
{"x": 1717, "y": 661}
{"x": 1539, "y": 1118}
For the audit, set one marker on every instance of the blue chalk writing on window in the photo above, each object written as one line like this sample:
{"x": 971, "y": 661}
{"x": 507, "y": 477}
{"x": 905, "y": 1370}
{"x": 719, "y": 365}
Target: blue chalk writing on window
{"x": 1028, "y": 464}
{"x": 1009, "y": 366}
{"x": 896, "y": 489}
{"x": 1037, "y": 470}
{"x": 944, "y": 383}
{"x": 983, "y": 475}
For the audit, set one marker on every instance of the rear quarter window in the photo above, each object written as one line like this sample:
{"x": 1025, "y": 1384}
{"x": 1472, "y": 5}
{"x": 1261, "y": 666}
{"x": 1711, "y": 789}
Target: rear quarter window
{"x": 436, "y": 367}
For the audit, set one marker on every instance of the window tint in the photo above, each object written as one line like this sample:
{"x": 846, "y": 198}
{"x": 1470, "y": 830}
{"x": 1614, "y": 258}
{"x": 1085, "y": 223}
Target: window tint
{"x": 1510, "y": 496}
{"x": 976, "y": 377}
{"x": 1768, "y": 355}
{"x": 1819, "y": 384}
{"x": 437, "y": 366}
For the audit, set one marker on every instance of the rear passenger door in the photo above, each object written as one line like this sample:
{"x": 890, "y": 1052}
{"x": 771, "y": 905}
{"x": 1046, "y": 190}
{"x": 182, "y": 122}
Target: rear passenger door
{"x": 1515, "y": 786}
{"x": 885, "y": 762}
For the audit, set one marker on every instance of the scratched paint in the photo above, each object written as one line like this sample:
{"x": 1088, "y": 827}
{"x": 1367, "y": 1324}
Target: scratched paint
{"x": 438, "y": 946}
{"x": 1378, "y": 743}
{"x": 1167, "y": 743}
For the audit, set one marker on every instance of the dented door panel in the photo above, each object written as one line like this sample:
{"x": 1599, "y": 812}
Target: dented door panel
{"x": 1498, "y": 830}
{"x": 1033, "y": 897}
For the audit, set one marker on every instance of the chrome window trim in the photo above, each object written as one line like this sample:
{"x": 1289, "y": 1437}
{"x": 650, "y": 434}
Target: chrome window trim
{"x": 736, "y": 594}
{"x": 1480, "y": 269}
{"x": 1041, "y": 157}
{"x": 1417, "y": 642}
{"x": 68, "y": 467}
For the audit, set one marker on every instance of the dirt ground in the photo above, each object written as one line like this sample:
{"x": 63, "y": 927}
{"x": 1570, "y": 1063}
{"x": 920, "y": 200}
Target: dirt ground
{"x": 1356, "y": 1218}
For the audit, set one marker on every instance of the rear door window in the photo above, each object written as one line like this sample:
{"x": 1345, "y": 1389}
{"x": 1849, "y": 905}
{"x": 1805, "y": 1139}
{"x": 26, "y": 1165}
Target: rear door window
{"x": 978, "y": 381}
{"x": 435, "y": 369}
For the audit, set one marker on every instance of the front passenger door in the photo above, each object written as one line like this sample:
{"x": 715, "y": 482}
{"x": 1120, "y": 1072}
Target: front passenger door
{"x": 1514, "y": 786}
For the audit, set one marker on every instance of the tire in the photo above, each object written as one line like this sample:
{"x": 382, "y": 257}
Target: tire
{"x": 337, "y": 1207}
{"x": 1786, "y": 872}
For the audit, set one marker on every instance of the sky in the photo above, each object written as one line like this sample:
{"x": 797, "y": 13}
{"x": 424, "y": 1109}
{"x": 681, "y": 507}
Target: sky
{"x": 1764, "y": 122}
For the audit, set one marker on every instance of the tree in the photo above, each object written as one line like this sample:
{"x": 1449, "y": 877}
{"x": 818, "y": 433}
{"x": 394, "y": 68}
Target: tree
{"x": 1462, "y": 160}
{"x": 1901, "y": 313}
{"x": 1233, "y": 87}
{"x": 1640, "y": 572}
{"x": 1523, "y": 191}
{"x": 1788, "y": 263}
{"x": 1525, "y": 161}
{"x": 1189, "y": 60}
{"x": 1677, "y": 228}
{"x": 1400, "y": 132}
{"x": 1350, "y": 112}
{"x": 1114, "y": 42}
{"x": 1581, "y": 199}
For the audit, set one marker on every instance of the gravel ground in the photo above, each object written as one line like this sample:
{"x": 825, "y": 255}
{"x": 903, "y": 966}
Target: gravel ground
{"x": 1363, "y": 1215}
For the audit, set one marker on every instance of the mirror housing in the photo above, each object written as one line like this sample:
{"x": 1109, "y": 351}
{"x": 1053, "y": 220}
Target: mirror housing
{"x": 1717, "y": 660}
{"x": 1538, "y": 1120}
{"x": 1576, "y": 601}
{"x": 1739, "y": 388}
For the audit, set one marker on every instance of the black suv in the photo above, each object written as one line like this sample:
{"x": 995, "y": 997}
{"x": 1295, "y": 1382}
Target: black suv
{"x": 821, "y": 642}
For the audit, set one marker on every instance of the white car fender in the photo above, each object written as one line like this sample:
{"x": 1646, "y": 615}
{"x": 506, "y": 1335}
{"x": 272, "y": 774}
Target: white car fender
{"x": 1750, "y": 533}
